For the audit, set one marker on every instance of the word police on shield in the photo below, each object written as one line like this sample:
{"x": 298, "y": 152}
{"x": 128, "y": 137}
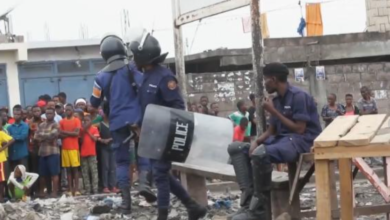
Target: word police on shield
{"x": 181, "y": 136}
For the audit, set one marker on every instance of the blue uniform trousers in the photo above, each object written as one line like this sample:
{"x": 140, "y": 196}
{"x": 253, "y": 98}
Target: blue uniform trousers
{"x": 166, "y": 184}
{"x": 122, "y": 157}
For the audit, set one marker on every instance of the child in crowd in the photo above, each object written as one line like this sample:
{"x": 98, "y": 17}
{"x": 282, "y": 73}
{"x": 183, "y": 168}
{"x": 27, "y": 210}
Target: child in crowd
{"x": 90, "y": 135}
{"x": 367, "y": 104}
{"x": 70, "y": 154}
{"x": 238, "y": 115}
{"x": 19, "y": 183}
{"x": 350, "y": 108}
{"x": 108, "y": 157}
{"x": 239, "y": 131}
{"x": 5, "y": 142}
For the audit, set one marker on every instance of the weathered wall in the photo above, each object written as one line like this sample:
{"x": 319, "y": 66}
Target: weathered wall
{"x": 378, "y": 12}
{"x": 227, "y": 88}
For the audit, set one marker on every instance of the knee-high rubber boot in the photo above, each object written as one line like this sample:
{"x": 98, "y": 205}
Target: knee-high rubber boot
{"x": 195, "y": 211}
{"x": 144, "y": 187}
{"x": 125, "y": 207}
{"x": 241, "y": 162}
{"x": 260, "y": 205}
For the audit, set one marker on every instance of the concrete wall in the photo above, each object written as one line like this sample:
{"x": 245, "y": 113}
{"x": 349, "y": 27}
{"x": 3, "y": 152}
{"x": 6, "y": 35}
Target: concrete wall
{"x": 378, "y": 12}
{"x": 227, "y": 88}
{"x": 65, "y": 53}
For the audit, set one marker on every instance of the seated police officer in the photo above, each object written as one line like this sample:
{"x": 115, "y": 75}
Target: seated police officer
{"x": 159, "y": 87}
{"x": 117, "y": 83}
{"x": 293, "y": 126}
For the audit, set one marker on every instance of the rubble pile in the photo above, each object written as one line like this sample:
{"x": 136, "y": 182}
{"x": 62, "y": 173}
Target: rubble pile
{"x": 80, "y": 208}
{"x": 220, "y": 205}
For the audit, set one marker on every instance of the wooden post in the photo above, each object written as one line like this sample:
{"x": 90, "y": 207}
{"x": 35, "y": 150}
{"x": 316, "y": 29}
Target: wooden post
{"x": 323, "y": 190}
{"x": 346, "y": 197}
{"x": 257, "y": 62}
{"x": 179, "y": 51}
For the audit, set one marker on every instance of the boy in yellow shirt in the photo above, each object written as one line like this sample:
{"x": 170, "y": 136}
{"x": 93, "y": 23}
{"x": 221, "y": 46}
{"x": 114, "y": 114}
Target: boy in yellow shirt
{"x": 5, "y": 142}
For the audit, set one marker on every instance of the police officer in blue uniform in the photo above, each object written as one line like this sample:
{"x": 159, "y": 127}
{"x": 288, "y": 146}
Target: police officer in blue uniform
{"x": 117, "y": 84}
{"x": 159, "y": 87}
{"x": 294, "y": 124}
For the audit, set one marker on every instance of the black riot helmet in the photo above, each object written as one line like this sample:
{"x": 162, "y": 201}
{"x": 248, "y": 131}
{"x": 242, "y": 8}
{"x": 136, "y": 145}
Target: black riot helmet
{"x": 113, "y": 51}
{"x": 147, "y": 51}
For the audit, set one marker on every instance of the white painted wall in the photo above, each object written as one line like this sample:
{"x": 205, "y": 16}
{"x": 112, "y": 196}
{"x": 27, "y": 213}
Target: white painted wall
{"x": 10, "y": 55}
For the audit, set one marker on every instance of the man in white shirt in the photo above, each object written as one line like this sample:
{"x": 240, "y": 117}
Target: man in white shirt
{"x": 52, "y": 104}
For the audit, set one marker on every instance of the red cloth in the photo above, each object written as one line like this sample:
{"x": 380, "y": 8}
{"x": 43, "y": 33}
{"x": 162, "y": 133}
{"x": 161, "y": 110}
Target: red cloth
{"x": 70, "y": 143}
{"x": 11, "y": 120}
{"x": 41, "y": 103}
{"x": 88, "y": 147}
{"x": 239, "y": 134}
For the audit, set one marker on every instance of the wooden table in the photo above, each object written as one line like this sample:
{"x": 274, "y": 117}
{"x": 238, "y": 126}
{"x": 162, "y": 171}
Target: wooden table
{"x": 346, "y": 138}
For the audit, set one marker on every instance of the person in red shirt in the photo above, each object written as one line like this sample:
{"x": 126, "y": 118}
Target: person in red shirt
{"x": 89, "y": 135}
{"x": 239, "y": 131}
{"x": 70, "y": 154}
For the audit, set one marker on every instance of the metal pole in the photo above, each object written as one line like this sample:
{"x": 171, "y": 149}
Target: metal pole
{"x": 257, "y": 61}
{"x": 179, "y": 51}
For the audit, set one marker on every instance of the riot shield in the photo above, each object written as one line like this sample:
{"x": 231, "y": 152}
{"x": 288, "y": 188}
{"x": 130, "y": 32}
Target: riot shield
{"x": 180, "y": 136}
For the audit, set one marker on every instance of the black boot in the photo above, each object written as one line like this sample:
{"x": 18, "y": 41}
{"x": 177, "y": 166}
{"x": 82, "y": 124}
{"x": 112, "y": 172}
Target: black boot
{"x": 162, "y": 214}
{"x": 242, "y": 168}
{"x": 144, "y": 187}
{"x": 260, "y": 205}
{"x": 125, "y": 207}
{"x": 195, "y": 211}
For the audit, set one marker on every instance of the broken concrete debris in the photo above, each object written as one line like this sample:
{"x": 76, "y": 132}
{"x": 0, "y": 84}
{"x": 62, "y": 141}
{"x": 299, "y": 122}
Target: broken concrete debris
{"x": 220, "y": 205}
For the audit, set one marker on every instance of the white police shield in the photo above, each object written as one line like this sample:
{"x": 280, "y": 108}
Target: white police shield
{"x": 181, "y": 136}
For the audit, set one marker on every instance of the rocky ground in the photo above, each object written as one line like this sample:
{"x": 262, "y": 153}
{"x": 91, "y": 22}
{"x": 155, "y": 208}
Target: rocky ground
{"x": 221, "y": 204}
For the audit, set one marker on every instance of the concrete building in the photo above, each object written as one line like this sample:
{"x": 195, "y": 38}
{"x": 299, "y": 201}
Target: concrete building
{"x": 28, "y": 70}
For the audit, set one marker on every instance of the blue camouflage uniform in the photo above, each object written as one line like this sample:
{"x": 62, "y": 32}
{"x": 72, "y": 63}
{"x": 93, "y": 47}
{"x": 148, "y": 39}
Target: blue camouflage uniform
{"x": 124, "y": 111}
{"x": 285, "y": 145}
{"x": 159, "y": 87}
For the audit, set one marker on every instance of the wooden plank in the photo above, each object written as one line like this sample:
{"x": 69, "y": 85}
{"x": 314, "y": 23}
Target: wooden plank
{"x": 373, "y": 178}
{"x": 183, "y": 180}
{"x": 339, "y": 152}
{"x": 337, "y": 129}
{"x": 346, "y": 200}
{"x": 295, "y": 207}
{"x": 382, "y": 136}
{"x": 386, "y": 169}
{"x": 324, "y": 210}
{"x": 197, "y": 188}
{"x": 333, "y": 191}
{"x": 364, "y": 131}
{"x": 179, "y": 52}
{"x": 211, "y": 10}
{"x": 220, "y": 171}
{"x": 293, "y": 187}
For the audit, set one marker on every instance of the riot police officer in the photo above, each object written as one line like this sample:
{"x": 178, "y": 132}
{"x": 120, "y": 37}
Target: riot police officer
{"x": 160, "y": 87}
{"x": 117, "y": 83}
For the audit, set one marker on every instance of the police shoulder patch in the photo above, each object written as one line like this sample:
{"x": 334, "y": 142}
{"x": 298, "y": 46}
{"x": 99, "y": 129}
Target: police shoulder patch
{"x": 172, "y": 84}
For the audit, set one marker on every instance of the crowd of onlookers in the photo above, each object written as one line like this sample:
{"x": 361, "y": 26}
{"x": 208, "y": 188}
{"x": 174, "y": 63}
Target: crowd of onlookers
{"x": 44, "y": 147}
{"x": 55, "y": 140}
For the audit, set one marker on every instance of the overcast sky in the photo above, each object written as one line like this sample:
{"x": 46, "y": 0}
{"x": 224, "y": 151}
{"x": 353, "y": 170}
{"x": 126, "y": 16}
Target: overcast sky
{"x": 63, "y": 19}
